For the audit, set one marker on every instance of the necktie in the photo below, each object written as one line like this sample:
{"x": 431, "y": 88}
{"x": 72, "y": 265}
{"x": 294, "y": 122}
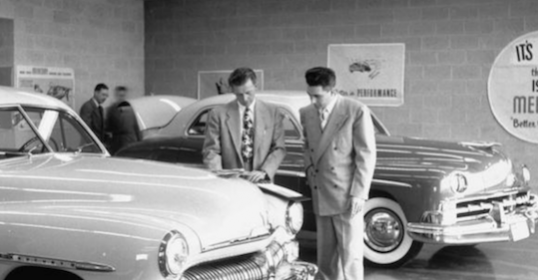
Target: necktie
{"x": 323, "y": 115}
{"x": 246, "y": 138}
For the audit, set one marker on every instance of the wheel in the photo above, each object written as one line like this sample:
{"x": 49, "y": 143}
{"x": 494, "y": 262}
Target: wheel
{"x": 386, "y": 242}
{"x": 34, "y": 141}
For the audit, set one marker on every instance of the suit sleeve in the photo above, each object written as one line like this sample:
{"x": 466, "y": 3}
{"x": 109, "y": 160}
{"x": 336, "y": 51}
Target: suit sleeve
{"x": 364, "y": 146}
{"x": 86, "y": 113}
{"x": 277, "y": 152}
{"x": 307, "y": 156}
{"x": 212, "y": 149}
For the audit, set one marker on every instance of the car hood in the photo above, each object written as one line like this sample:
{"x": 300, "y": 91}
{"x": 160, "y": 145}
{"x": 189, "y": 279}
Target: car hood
{"x": 415, "y": 159}
{"x": 164, "y": 196}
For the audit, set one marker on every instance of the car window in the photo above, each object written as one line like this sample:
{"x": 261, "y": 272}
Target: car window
{"x": 291, "y": 131}
{"x": 62, "y": 131}
{"x": 197, "y": 128}
{"x": 16, "y": 134}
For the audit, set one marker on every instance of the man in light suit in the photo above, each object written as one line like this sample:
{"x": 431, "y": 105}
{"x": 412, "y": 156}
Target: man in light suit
{"x": 92, "y": 112}
{"x": 246, "y": 133}
{"x": 340, "y": 155}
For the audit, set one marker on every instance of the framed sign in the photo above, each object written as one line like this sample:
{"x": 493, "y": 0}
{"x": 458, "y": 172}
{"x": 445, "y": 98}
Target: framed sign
{"x": 513, "y": 88}
{"x": 212, "y": 83}
{"x": 373, "y": 73}
{"x": 53, "y": 81}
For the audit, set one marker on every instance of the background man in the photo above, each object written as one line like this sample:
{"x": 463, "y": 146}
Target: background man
{"x": 340, "y": 157}
{"x": 92, "y": 113}
{"x": 245, "y": 133}
{"x": 121, "y": 121}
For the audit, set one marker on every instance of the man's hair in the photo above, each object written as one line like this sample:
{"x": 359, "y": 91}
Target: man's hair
{"x": 240, "y": 76}
{"x": 120, "y": 88}
{"x": 320, "y": 76}
{"x": 99, "y": 87}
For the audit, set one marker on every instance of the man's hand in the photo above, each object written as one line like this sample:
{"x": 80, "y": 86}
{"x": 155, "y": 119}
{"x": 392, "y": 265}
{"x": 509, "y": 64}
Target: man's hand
{"x": 357, "y": 204}
{"x": 255, "y": 176}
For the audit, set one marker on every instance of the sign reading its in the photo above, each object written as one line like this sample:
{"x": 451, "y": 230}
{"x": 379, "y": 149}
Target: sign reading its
{"x": 513, "y": 87}
{"x": 372, "y": 73}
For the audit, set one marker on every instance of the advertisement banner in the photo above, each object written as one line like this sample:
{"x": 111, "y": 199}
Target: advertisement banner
{"x": 513, "y": 87}
{"x": 211, "y": 83}
{"x": 373, "y": 73}
{"x": 52, "y": 81}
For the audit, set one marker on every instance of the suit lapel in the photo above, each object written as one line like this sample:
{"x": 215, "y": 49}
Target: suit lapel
{"x": 313, "y": 127}
{"x": 334, "y": 123}
{"x": 232, "y": 120}
{"x": 261, "y": 120}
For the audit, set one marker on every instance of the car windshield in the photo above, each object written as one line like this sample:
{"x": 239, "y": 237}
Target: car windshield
{"x": 58, "y": 129}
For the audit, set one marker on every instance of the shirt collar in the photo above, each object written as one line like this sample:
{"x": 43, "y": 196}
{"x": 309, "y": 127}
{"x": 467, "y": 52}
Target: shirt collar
{"x": 95, "y": 101}
{"x": 242, "y": 107}
{"x": 329, "y": 108}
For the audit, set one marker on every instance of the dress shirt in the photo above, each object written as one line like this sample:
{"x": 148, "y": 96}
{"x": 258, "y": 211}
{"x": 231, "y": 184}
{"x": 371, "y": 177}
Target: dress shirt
{"x": 327, "y": 111}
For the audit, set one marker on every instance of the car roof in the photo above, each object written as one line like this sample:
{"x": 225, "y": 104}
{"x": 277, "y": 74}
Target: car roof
{"x": 13, "y": 96}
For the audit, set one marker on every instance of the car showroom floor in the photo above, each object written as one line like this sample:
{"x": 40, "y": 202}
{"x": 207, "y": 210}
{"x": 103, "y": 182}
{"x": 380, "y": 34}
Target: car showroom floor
{"x": 514, "y": 261}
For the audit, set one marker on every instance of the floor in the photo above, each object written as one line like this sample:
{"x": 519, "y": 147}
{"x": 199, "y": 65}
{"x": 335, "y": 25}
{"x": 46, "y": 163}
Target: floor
{"x": 512, "y": 260}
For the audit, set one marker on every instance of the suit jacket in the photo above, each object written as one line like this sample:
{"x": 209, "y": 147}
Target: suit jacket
{"x": 222, "y": 145}
{"x": 89, "y": 113}
{"x": 340, "y": 160}
{"x": 122, "y": 124}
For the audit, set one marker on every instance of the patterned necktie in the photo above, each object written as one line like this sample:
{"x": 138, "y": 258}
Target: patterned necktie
{"x": 246, "y": 138}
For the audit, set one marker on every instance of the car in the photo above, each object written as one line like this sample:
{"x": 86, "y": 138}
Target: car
{"x": 423, "y": 191}
{"x": 70, "y": 211}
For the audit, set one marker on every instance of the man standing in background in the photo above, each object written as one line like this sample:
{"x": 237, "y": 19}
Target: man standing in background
{"x": 92, "y": 112}
{"x": 121, "y": 121}
{"x": 340, "y": 156}
{"x": 246, "y": 133}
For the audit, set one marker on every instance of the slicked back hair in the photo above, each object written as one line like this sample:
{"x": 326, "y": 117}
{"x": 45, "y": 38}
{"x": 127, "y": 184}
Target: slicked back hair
{"x": 240, "y": 76}
{"x": 321, "y": 76}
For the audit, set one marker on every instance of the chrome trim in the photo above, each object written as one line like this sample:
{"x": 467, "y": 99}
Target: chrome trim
{"x": 300, "y": 174}
{"x": 392, "y": 183}
{"x": 50, "y": 262}
{"x": 235, "y": 242}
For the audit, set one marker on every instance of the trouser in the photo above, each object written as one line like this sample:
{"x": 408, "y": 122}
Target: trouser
{"x": 340, "y": 246}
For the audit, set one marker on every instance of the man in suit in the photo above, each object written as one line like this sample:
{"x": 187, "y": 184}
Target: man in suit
{"x": 340, "y": 155}
{"x": 121, "y": 121}
{"x": 246, "y": 133}
{"x": 92, "y": 113}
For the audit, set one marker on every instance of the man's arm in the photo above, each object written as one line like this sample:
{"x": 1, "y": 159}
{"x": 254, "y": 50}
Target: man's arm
{"x": 364, "y": 146}
{"x": 86, "y": 113}
{"x": 211, "y": 150}
{"x": 277, "y": 151}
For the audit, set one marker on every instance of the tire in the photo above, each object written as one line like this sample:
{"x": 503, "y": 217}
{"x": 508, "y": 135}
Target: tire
{"x": 383, "y": 248}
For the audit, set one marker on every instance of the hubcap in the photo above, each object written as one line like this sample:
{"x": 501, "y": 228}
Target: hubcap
{"x": 383, "y": 230}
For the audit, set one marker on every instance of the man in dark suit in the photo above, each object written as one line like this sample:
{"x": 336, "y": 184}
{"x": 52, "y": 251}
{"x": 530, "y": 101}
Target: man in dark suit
{"x": 121, "y": 121}
{"x": 340, "y": 156}
{"x": 92, "y": 112}
{"x": 246, "y": 133}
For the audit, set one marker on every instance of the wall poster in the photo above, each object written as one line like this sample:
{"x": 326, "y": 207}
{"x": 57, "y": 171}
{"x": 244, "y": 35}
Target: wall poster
{"x": 373, "y": 73}
{"x": 513, "y": 87}
{"x": 52, "y": 81}
{"x": 211, "y": 83}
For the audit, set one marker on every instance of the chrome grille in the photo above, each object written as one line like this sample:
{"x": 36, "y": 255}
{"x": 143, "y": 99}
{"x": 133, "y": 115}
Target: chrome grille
{"x": 482, "y": 206}
{"x": 233, "y": 269}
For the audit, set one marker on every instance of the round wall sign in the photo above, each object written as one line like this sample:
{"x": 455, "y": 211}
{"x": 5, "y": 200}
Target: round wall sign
{"x": 513, "y": 87}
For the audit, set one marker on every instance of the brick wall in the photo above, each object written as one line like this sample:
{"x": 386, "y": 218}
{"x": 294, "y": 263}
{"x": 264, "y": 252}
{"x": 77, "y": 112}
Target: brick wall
{"x": 450, "y": 47}
{"x": 102, "y": 40}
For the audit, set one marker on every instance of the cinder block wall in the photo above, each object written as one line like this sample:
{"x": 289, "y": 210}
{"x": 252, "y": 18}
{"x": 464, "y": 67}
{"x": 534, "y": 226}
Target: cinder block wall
{"x": 102, "y": 40}
{"x": 450, "y": 47}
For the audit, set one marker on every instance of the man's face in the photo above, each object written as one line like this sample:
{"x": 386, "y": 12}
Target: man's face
{"x": 101, "y": 96}
{"x": 245, "y": 93}
{"x": 121, "y": 95}
{"x": 319, "y": 96}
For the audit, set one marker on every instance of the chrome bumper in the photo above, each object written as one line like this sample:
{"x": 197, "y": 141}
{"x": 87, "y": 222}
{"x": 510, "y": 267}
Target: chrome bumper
{"x": 277, "y": 262}
{"x": 494, "y": 227}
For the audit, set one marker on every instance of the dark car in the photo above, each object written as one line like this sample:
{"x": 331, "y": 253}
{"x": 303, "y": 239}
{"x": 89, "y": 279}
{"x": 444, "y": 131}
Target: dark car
{"x": 458, "y": 193}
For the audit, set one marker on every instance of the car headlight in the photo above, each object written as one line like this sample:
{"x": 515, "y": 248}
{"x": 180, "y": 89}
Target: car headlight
{"x": 173, "y": 254}
{"x": 457, "y": 182}
{"x": 526, "y": 174}
{"x": 294, "y": 217}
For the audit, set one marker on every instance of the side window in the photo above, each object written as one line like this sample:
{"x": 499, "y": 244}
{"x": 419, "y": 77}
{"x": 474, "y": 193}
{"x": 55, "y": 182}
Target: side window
{"x": 68, "y": 136}
{"x": 291, "y": 131}
{"x": 197, "y": 128}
